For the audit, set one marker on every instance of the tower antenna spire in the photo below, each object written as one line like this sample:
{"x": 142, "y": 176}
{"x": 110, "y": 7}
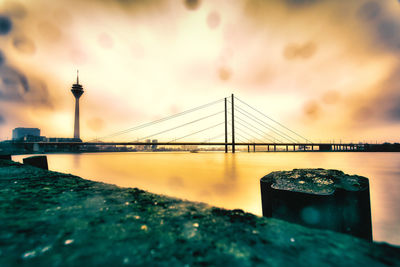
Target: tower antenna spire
{"x": 77, "y": 76}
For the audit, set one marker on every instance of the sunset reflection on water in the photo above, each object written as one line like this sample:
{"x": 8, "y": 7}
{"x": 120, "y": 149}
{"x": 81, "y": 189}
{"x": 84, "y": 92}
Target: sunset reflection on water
{"x": 232, "y": 180}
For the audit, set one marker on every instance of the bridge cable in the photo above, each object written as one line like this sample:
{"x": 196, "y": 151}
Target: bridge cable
{"x": 159, "y": 120}
{"x": 238, "y": 134}
{"x": 214, "y": 137}
{"x": 262, "y": 132}
{"x": 262, "y": 136}
{"x": 180, "y": 126}
{"x": 241, "y": 140}
{"x": 247, "y": 140}
{"x": 244, "y": 132}
{"x": 266, "y": 125}
{"x": 274, "y": 121}
{"x": 208, "y": 128}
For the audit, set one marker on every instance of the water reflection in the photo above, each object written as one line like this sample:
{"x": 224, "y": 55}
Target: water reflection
{"x": 228, "y": 185}
{"x": 230, "y": 167}
{"x": 76, "y": 159}
{"x": 232, "y": 180}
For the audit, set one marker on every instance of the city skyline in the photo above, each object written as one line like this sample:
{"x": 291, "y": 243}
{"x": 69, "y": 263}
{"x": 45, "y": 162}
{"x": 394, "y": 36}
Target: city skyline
{"x": 326, "y": 69}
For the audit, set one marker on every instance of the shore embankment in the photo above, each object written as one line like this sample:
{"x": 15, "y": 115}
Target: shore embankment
{"x": 55, "y": 219}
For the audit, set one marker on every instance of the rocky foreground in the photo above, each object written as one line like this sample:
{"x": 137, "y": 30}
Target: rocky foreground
{"x": 54, "y": 219}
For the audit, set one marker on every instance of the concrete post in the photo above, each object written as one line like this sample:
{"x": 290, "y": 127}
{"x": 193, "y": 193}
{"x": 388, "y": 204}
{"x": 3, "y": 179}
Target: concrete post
{"x": 37, "y": 161}
{"x": 325, "y": 199}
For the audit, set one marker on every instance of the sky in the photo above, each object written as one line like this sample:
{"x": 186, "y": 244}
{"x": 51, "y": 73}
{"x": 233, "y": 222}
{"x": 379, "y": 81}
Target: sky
{"x": 328, "y": 69}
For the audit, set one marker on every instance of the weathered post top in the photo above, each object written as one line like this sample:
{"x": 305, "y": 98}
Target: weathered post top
{"x": 315, "y": 181}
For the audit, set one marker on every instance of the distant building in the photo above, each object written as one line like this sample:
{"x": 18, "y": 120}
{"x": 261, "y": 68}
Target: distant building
{"x": 147, "y": 147}
{"x": 189, "y": 147}
{"x": 22, "y": 133}
{"x": 139, "y": 148}
{"x": 154, "y": 145}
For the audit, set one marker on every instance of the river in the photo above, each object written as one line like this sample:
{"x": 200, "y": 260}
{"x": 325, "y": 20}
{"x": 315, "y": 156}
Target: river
{"x": 232, "y": 180}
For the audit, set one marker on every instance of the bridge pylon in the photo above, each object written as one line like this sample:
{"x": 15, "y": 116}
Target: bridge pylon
{"x": 226, "y": 126}
{"x": 233, "y": 123}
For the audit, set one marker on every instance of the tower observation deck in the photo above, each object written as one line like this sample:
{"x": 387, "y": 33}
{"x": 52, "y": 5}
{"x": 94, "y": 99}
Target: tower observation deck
{"x": 77, "y": 91}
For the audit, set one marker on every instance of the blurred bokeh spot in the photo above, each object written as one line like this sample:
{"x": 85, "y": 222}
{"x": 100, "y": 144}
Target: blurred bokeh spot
{"x": 16, "y": 87}
{"x": 1, "y": 58}
{"x": 300, "y": 3}
{"x": 192, "y": 4}
{"x": 5, "y": 25}
{"x": 310, "y": 215}
{"x": 312, "y": 110}
{"x": 369, "y": 10}
{"x": 213, "y": 20}
{"x": 394, "y": 111}
{"x": 13, "y": 84}
{"x": 15, "y": 9}
{"x": 389, "y": 33}
{"x": 300, "y": 51}
{"x": 363, "y": 113}
{"x": 24, "y": 45}
{"x": 174, "y": 109}
{"x": 176, "y": 182}
{"x": 224, "y": 73}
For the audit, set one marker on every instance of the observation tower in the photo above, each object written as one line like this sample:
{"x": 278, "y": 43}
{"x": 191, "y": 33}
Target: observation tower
{"x": 77, "y": 91}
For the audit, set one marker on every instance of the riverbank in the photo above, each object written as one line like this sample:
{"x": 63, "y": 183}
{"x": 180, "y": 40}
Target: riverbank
{"x": 54, "y": 219}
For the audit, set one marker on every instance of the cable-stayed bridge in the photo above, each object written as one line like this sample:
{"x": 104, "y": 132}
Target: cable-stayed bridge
{"x": 228, "y": 123}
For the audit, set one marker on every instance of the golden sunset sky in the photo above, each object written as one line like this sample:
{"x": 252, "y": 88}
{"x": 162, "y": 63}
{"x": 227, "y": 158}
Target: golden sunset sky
{"x": 328, "y": 69}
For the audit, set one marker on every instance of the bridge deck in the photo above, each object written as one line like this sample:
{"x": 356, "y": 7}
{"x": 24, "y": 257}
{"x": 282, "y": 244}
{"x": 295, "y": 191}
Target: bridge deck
{"x": 189, "y": 143}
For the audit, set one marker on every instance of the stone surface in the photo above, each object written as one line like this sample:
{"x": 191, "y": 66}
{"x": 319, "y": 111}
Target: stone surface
{"x": 54, "y": 219}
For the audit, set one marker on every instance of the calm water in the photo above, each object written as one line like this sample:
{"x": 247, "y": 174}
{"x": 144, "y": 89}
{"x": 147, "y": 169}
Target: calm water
{"x": 232, "y": 180}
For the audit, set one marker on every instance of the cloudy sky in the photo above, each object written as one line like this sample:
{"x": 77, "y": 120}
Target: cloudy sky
{"x": 329, "y": 69}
